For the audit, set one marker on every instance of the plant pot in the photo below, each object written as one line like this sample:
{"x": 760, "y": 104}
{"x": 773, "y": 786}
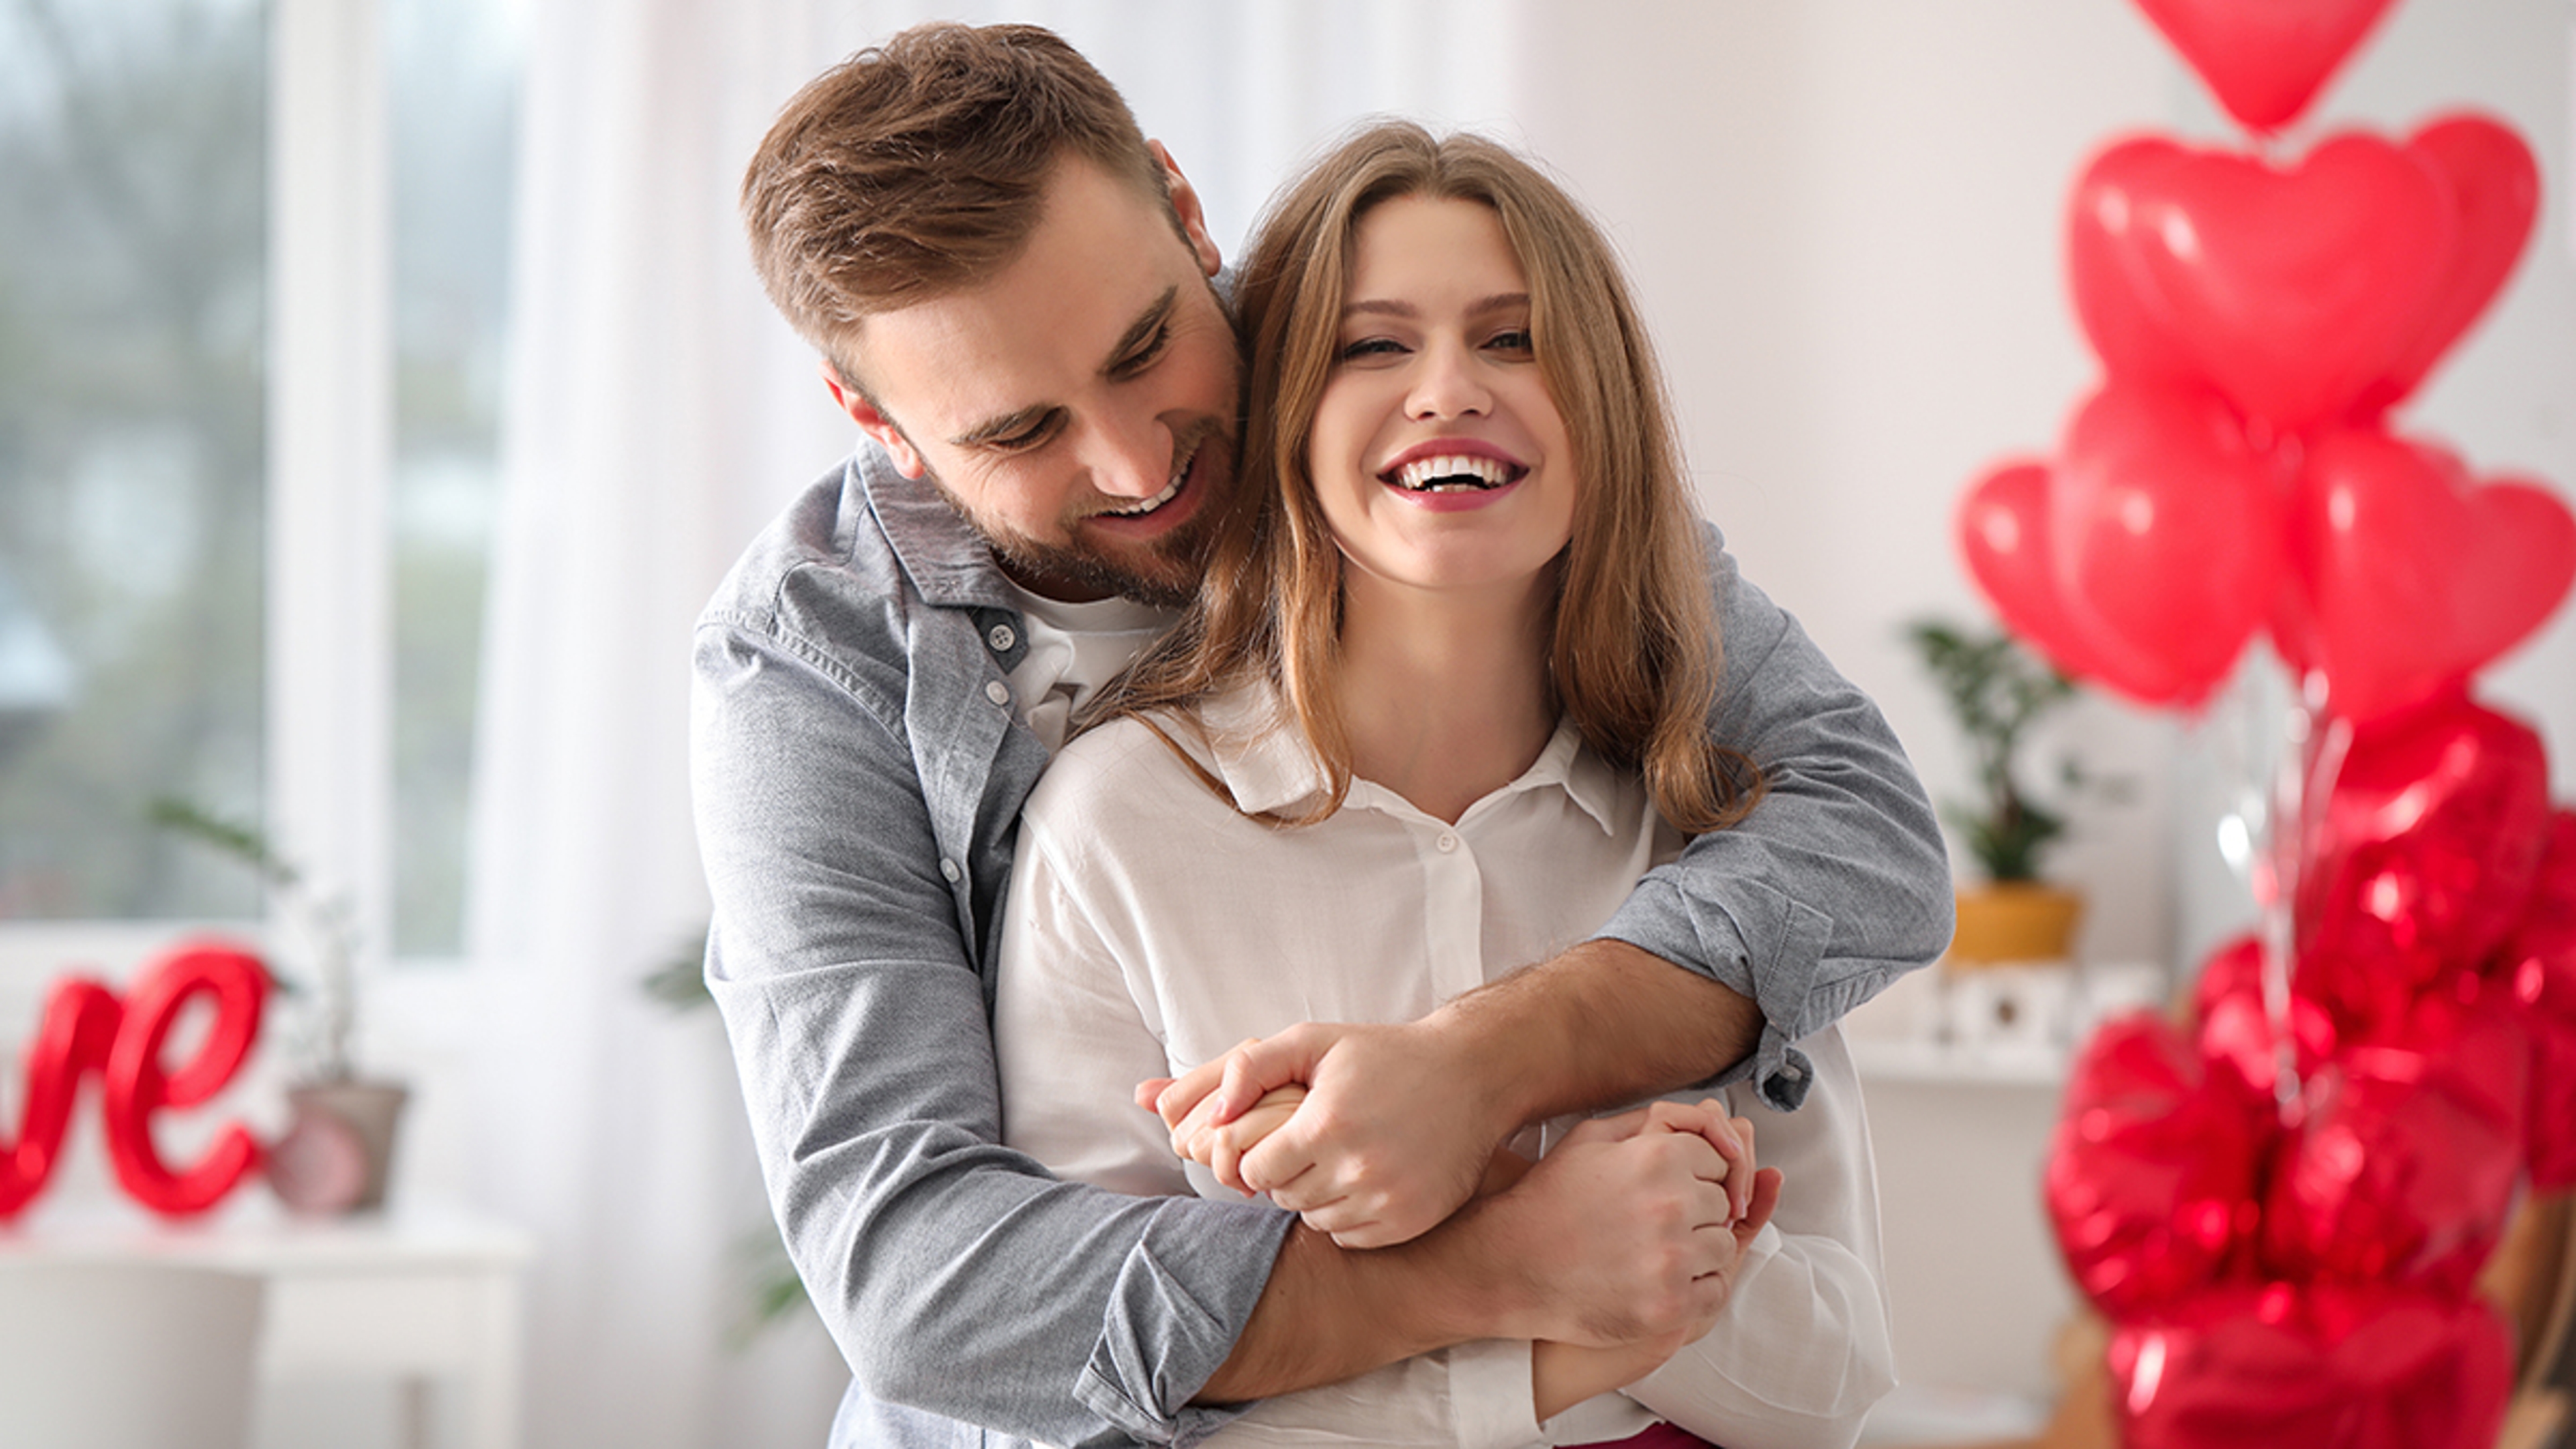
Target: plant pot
{"x": 2015, "y": 921}
{"x": 337, "y": 1155}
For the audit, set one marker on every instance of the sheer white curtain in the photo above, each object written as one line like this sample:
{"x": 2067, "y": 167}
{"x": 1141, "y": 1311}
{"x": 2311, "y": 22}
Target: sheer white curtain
{"x": 659, "y": 414}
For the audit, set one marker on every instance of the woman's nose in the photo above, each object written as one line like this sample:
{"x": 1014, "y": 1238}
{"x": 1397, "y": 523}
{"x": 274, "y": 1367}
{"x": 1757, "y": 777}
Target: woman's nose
{"x": 1446, "y": 386}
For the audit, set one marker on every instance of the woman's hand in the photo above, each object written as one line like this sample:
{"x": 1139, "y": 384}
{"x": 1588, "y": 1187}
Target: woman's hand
{"x": 1564, "y": 1374}
{"x": 1220, "y": 1149}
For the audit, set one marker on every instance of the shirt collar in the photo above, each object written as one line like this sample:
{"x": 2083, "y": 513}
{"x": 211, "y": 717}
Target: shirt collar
{"x": 1264, "y": 760}
{"x": 947, "y": 560}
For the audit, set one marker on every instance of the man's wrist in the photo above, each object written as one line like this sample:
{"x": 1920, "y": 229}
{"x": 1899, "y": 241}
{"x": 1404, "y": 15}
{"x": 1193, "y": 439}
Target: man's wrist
{"x": 1605, "y": 1024}
{"x": 1332, "y": 1313}
{"x": 1512, "y": 1046}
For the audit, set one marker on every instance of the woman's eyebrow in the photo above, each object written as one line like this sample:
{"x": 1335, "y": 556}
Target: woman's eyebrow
{"x": 1395, "y": 307}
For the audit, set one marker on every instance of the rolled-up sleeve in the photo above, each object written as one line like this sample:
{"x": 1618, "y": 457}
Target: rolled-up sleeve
{"x": 956, "y": 1276}
{"x": 1837, "y": 882}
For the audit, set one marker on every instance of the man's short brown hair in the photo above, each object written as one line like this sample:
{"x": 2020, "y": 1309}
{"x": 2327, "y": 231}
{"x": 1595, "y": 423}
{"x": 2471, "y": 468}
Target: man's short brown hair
{"x": 915, "y": 168}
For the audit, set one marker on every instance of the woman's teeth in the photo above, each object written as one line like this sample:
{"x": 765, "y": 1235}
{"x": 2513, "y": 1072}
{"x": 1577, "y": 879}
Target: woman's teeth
{"x": 1452, "y": 474}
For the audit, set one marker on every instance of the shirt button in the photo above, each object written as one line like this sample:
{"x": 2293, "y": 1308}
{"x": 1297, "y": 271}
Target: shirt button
{"x": 949, "y": 869}
{"x": 998, "y": 692}
{"x": 1448, "y": 842}
{"x": 1001, "y": 637}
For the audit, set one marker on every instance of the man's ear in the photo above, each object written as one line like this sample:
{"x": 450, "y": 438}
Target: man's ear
{"x": 1185, "y": 205}
{"x": 871, "y": 421}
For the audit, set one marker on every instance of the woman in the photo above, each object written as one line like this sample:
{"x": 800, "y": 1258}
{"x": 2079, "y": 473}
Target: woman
{"x": 1445, "y": 691}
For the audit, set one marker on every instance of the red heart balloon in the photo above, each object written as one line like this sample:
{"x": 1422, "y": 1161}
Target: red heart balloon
{"x": 2361, "y": 1367}
{"x": 2495, "y": 194}
{"x": 2236, "y": 1034}
{"x": 2423, "y": 858}
{"x": 2002, "y": 533}
{"x": 2538, "y": 965}
{"x": 2113, "y": 298}
{"x": 2290, "y": 290}
{"x": 2166, "y": 526}
{"x": 2264, "y": 61}
{"x": 2406, "y": 575}
{"x": 2408, "y": 1151}
{"x": 2150, "y": 1178}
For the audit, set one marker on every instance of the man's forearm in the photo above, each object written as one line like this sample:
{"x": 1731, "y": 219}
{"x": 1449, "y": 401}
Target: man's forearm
{"x": 1604, "y": 1024}
{"x": 1332, "y": 1313}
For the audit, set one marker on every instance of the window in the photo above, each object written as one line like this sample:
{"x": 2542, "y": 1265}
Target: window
{"x": 251, "y": 307}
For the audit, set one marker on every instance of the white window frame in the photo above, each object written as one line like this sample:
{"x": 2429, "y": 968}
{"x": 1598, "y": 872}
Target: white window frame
{"x": 330, "y": 452}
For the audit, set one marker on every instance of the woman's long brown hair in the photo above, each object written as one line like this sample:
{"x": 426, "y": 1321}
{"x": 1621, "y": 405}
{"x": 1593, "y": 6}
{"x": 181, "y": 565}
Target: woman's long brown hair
{"x": 1633, "y": 655}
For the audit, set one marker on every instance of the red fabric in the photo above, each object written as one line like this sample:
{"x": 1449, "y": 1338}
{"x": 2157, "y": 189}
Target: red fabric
{"x": 1661, "y": 1436}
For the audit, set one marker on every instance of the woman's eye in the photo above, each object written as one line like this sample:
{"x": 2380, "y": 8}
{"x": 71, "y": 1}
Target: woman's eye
{"x": 1370, "y": 347}
{"x": 1513, "y": 339}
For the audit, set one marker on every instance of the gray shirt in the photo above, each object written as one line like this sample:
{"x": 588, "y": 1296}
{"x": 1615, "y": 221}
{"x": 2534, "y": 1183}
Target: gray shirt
{"x": 858, "y": 771}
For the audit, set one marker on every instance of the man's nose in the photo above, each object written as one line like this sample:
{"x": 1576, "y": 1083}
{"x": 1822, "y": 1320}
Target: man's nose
{"x": 1130, "y": 458}
{"x": 1445, "y": 385}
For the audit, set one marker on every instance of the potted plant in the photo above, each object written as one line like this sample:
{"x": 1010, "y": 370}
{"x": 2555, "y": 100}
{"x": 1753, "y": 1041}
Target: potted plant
{"x": 337, "y": 1154}
{"x": 1996, "y": 691}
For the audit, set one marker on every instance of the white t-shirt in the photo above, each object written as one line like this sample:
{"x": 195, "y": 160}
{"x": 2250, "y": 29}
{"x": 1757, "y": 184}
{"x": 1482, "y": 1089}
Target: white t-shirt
{"x": 1073, "y": 650}
{"x": 1151, "y": 926}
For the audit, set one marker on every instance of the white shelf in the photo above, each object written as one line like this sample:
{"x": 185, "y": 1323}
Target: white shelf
{"x": 1936, "y": 1061}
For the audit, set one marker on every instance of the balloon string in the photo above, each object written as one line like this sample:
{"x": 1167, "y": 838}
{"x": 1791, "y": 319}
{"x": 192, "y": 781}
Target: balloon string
{"x": 2311, "y": 760}
{"x": 2284, "y": 822}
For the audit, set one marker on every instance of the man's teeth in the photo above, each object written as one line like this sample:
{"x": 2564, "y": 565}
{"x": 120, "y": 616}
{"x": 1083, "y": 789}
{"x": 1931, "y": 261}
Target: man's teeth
{"x": 1170, "y": 491}
{"x": 1452, "y": 474}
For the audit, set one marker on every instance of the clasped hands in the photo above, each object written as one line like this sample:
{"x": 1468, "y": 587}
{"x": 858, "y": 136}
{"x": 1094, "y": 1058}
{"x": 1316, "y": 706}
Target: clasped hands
{"x": 1376, "y": 1134}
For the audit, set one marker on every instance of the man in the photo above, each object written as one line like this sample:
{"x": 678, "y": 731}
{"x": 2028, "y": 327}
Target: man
{"x": 1012, "y": 294}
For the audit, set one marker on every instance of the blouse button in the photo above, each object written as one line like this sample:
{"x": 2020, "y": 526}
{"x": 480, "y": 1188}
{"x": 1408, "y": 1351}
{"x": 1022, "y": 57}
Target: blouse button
{"x": 949, "y": 869}
{"x": 1001, "y": 637}
{"x": 997, "y": 692}
{"x": 1448, "y": 842}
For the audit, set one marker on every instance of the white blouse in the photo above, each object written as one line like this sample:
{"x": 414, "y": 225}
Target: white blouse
{"x": 1151, "y": 926}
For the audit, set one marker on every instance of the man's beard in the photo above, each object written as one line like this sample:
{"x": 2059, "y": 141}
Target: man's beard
{"x": 1076, "y": 568}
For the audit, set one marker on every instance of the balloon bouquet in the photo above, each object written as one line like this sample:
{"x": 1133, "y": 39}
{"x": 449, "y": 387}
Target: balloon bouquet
{"x": 2281, "y": 1207}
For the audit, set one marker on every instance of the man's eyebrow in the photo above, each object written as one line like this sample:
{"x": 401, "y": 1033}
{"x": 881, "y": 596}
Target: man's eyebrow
{"x": 1008, "y": 425}
{"x": 1142, "y": 329}
{"x": 1013, "y": 424}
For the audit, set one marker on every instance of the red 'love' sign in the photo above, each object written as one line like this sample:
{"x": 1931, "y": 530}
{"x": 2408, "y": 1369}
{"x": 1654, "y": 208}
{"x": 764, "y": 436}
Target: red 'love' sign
{"x": 87, "y": 1028}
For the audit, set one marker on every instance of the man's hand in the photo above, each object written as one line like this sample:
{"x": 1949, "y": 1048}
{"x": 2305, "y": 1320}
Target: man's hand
{"x": 1392, "y": 1136}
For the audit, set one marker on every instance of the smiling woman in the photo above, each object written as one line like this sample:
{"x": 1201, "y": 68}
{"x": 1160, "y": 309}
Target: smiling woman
{"x": 1463, "y": 800}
